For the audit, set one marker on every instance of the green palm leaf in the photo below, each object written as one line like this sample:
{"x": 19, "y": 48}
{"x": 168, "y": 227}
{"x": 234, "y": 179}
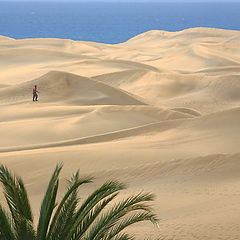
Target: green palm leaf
{"x": 6, "y": 230}
{"x": 95, "y": 198}
{"x": 64, "y": 217}
{"x": 111, "y": 218}
{"x": 134, "y": 218}
{"x": 123, "y": 236}
{"x": 94, "y": 219}
{"x": 18, "y": 203}
{"x": 15, "y": 194}
{"x": 48, "y": 204}
{"x": 85, "y": 224}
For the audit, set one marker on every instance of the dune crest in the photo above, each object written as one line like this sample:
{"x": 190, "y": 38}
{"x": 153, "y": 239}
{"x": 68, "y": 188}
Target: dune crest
{"x": 160, "y": 111}
{"x": 69, "y": 88}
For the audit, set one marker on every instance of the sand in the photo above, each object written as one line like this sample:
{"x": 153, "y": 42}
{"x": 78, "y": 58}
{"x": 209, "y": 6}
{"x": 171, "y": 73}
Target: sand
{"x": 160, "y": 112}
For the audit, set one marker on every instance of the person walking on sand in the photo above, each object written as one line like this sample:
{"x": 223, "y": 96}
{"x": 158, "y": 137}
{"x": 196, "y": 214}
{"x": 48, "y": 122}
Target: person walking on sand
{"x": 35, "y": 93}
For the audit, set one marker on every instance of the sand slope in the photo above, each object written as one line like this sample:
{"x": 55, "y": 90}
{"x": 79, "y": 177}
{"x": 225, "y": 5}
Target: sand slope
{"x": 160, "y": 111}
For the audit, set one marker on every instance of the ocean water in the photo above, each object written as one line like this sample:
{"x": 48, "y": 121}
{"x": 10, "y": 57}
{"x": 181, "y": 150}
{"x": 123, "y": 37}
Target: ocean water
{"x": 110, "y": 22}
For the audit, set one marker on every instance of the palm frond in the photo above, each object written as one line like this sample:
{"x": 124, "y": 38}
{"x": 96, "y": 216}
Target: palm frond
{"x": 90, "y": 221}
{"x": 65, "y": 220}
{"x": 134, "y": 203}
{"x": 48, "y": 204}
{"x": 126, "y": 222}
{"x": 105, "y": 190}
{"x": 86, "y": 223}
{"x": 96, "y": 197}
{"x": 25, "y": 230}
{"x": 6, "y": 229}
{"x": 24, "y": 201}
{"x": 123, "y": 236}
{"x": 16, "y": 194}
{"x": 63, "y": 217}
{"x": 18, "y": 203}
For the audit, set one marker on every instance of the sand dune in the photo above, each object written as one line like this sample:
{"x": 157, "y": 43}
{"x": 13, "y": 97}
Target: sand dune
{"x": 69, "y": 88}
{"x": 160, "y": 111}
{"x": 3, "y": 38}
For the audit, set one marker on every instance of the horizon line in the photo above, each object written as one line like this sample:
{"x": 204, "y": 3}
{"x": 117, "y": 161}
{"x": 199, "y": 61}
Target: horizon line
{"x": 128, "y": 1}
{"x": 160, "y": 30}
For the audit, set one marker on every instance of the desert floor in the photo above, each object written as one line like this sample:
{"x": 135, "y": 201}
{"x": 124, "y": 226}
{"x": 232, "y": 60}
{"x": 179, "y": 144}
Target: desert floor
{"x": 160, "y": 112}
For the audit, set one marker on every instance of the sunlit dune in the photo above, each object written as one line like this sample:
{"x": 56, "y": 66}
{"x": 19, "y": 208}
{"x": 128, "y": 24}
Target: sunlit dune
{"x": 160, "y": 112}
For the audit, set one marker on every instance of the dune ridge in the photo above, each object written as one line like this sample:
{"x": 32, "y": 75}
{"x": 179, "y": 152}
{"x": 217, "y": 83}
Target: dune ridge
{"x": 62, "y": 86}
{"x": 160, "y": 111}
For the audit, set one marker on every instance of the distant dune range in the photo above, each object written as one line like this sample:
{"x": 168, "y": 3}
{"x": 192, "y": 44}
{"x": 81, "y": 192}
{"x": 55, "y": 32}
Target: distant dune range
{"x": 160, "y": 111}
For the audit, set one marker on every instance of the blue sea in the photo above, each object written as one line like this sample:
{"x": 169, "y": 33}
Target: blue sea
{"x": 110, "y": 22}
